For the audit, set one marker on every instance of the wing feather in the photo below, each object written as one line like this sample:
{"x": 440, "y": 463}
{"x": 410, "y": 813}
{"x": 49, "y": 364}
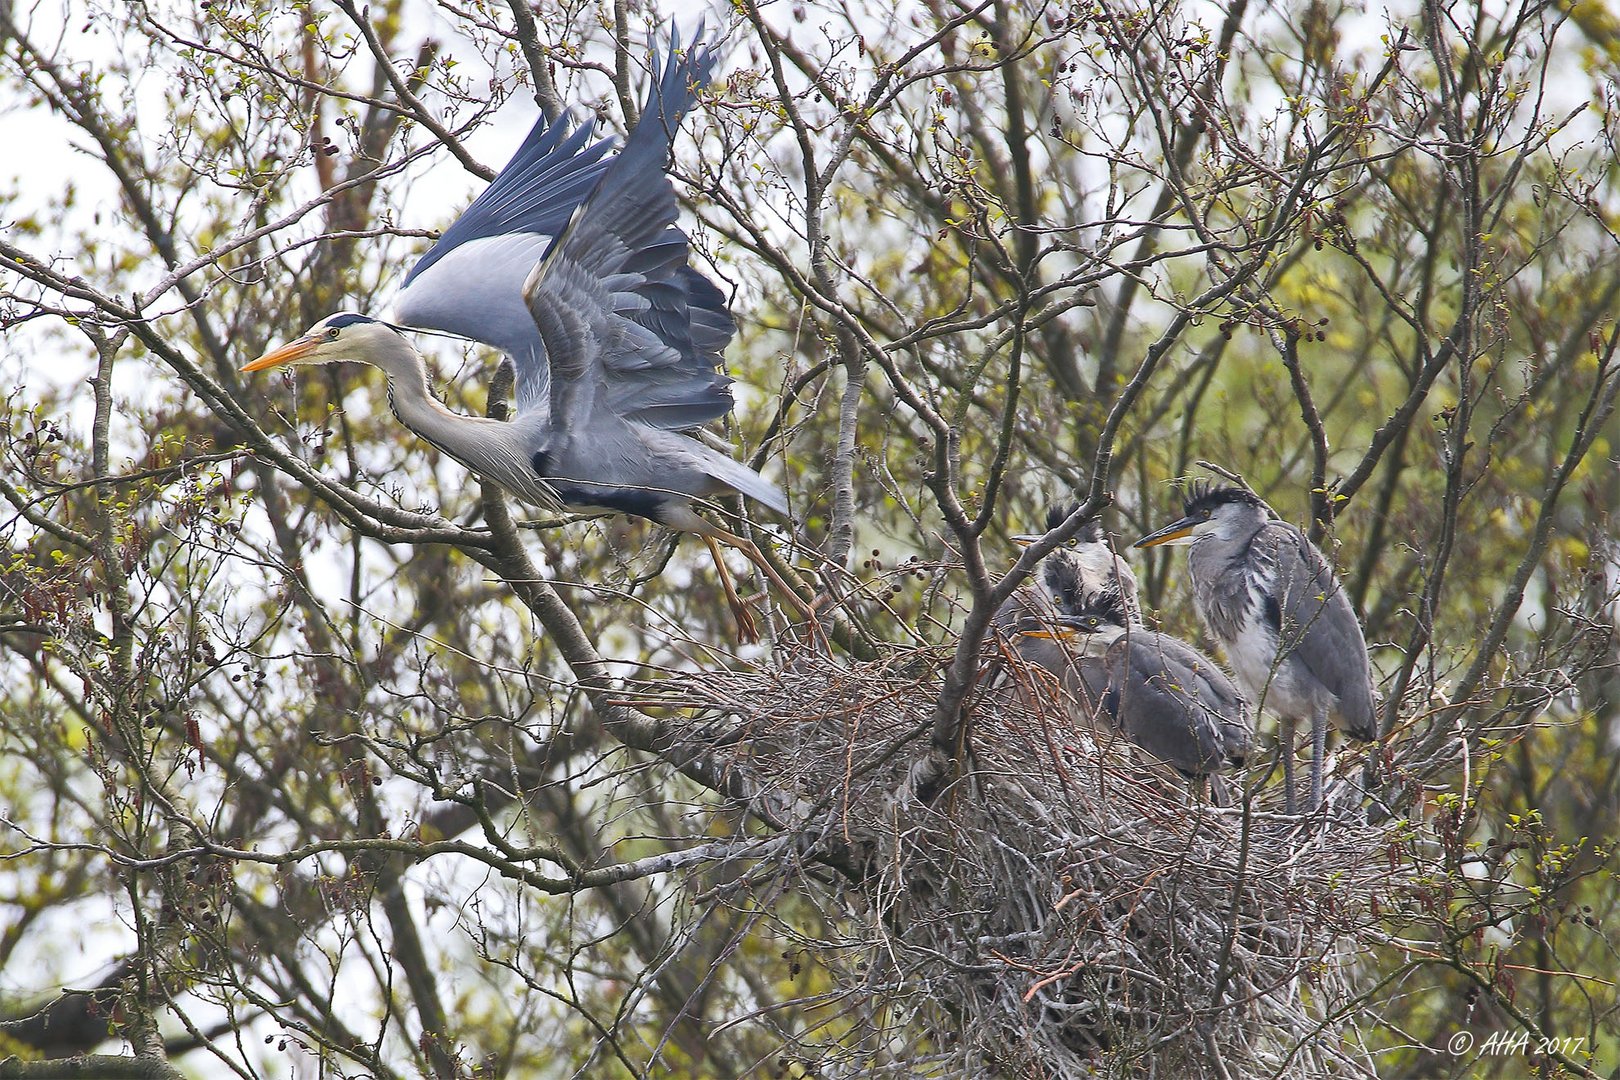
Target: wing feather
{"x": 625, "y": 322}
{"x": 474, "y": 281}
{"x": 1178, "y": 704}
{"x": 470, "y": 282}
{"x": 537, "y": 192}
{"x": 1320, "y": 628}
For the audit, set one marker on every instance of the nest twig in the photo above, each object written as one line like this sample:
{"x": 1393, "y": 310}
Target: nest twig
{"x": 1051, "y": 906}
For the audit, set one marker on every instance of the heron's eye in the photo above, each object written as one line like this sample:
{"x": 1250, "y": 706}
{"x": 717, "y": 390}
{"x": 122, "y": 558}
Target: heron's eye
{"x": 332, "y": 334}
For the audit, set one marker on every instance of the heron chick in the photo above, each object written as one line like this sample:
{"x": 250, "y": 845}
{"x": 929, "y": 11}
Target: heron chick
{"x": 1095, "y": 564}
{"x": 1163, "y": 695}
{"x": 1113, "y": 676}
{"x": 1272, "y": 600}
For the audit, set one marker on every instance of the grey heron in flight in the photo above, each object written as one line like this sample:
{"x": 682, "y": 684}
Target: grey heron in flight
{"x": 571, "y": 262}
{"x": 1273, "y": 601}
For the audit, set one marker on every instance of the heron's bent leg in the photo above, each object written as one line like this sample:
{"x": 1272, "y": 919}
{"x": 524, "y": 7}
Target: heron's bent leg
{"x": 1285, "y": 735}
{"x": 1319, "y": 726}
{"x": 757, "y": 557}
{"x": 747, "y": 630}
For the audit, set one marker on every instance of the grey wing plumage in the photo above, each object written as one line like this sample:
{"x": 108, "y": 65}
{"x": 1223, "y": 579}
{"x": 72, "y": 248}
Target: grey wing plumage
{"x": 1317, "y": 625}
{"x": 470, "y": 283}
{"x": 1178, "y": 705}
{"x": 627, "y": 325}
{"x": 537, "y": 192}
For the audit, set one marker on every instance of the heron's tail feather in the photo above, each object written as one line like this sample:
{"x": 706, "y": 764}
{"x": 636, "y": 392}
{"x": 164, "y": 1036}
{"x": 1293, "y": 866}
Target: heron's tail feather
{"x": 740, "y": 478}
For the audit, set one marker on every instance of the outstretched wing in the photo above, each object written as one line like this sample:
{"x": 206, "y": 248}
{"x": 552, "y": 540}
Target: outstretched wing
{"x": 627, "y": 325}
{"x": 470, "y": 283}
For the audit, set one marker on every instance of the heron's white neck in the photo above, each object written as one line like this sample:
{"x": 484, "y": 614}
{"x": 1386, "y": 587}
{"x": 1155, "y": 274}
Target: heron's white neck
{"x": 465, "y": 438}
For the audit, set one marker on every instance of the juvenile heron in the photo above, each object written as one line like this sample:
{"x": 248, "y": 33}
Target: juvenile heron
{"x": 1096, "y": 566}
{"x": 1042, "y": 660}
{"x": 1086, "y": 562}
{"x": 1273, "y": 601}
{"x": 1162, "y": 694}
{"x": 571, "y": 262}
{"x": 1115, "y": 676}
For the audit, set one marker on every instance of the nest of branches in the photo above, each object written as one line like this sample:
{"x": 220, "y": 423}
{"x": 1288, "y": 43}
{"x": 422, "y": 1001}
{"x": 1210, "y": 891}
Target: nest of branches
{"x": 1054, "y": 908}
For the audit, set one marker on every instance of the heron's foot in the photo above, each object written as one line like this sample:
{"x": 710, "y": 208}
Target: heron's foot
{"x": 715, "y": 535}
{"x": 805, "y": 609}
{"x": 747, "y": 628}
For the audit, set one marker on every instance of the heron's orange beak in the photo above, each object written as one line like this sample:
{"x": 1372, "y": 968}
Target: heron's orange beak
{"x": 286, "y": 354}
{"x": 1173, "y": 531}
{"x": 1056, "y": 633}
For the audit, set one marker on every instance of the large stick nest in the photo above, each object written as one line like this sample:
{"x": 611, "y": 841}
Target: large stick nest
{"x": 1053, "y": 908}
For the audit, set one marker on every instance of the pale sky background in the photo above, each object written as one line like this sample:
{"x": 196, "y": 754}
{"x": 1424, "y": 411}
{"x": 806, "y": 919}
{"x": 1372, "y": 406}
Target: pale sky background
{"x": 46, "y": 163}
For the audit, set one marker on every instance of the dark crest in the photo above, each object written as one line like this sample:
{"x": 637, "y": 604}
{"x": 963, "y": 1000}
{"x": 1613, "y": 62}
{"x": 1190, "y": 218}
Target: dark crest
{"x": 1202, "y": 495}
{"x": 1090, "y": 532}
{"x": 1105, "y": 604}
{"x": 1072, "y": 599}
{"x": 347, "y": 318}
{"x": 1061, "y": 577}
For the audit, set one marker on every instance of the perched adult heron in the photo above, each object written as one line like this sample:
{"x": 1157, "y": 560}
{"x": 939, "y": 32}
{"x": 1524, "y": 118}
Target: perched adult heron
{"x": 1273, "y": 601}
{"x": 1097, "y": 567}
{"x": 571, "y": 263}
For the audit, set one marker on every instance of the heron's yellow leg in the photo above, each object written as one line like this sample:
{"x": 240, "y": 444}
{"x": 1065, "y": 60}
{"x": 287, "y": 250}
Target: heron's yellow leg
{"x": 758, "y": 558}
{"x": 747, "y": 630}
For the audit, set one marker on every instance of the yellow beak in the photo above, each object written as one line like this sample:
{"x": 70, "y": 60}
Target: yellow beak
{"x": 1173, "y": 531}
{"x": 1056, "y": 633}
{"x": 285, "y": 354}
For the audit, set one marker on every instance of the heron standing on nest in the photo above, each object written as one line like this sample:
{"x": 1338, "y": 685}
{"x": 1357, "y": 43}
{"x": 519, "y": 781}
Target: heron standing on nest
{"x": 1114, "y": 676}
{"x": 1166, "y": 697}
{"x": 1273, "y": 601}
